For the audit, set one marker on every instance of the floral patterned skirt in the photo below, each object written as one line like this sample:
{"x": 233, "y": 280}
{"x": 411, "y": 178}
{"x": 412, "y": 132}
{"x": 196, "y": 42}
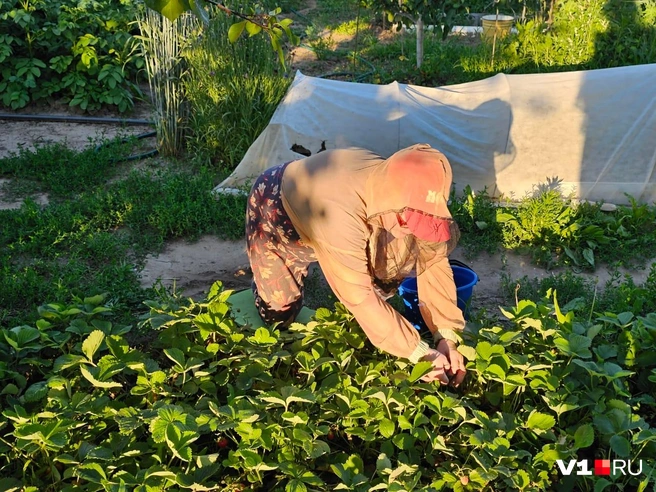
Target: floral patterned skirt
{"x": 278, "y": 257}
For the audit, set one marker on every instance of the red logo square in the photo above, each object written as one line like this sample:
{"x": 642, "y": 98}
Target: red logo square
{"x": 602, "y": 467}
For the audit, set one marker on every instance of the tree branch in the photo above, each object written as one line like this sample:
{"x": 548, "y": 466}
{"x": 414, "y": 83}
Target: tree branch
{"x": 229, "y": 11}
{"x": 407, "y": 16}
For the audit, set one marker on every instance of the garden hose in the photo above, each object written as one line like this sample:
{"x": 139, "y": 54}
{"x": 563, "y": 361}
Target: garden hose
{"x": 135, "y": 157}
{"x": 298, "y": 14}
{"x": 91, "y": 119}
{"x": 72, "y": 119}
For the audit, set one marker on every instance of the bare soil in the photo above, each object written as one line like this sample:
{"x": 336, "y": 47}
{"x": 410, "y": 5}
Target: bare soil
{"x": 193, "y": 267}
{"x": 17, "y": 134}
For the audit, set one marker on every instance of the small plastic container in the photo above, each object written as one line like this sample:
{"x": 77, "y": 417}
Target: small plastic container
{"x": 465, "y": 279}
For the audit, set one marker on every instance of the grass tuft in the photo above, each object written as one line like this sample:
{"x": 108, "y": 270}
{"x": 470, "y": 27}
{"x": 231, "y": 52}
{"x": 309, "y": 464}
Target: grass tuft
{"x": 233, "y": 90}
{"x": 94, "y": 243}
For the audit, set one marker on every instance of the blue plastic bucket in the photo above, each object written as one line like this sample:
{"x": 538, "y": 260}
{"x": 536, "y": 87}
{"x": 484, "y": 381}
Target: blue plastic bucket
{"x": 465, "y": 279}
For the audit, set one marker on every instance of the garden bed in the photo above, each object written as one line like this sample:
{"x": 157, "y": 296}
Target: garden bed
{"x": 192, "y": 266}
{"x": 119, "y": 373}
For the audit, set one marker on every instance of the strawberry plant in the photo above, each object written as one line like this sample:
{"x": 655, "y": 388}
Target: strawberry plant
{"x": 207, "y": 404}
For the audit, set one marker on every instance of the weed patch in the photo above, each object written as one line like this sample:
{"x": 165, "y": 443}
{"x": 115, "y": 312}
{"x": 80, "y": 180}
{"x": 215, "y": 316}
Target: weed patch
{"x": 94, "y": 242}
{"x": 556, "y": 231}
{"x": 63, "y": 172}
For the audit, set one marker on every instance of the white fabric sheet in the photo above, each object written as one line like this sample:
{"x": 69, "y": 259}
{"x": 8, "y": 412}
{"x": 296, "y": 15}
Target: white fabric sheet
{"x": 595, "y": 131}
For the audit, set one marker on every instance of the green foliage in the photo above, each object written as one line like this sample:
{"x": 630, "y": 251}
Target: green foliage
{"x": 630, "y": 36}
{"x": 619, "y": 293}
{"x": 579, "y": 35}
{"x": 170, "y": 204}
{"x": 622, "y": 294}
{"x": 544, "y": 221}
{"x": 255, "y": 19}
{"x": 233, "y": 90}
{"x": 80, "y": 52}
{"x": 587, "y": 35}
{"x": 554, "y": 230}
{"x": 317, "y": 292}
{"x": 630, "y": 230}
{"x": 209, "y": 405}
{"x": 64, "y": 172}
{"x": 476, "y": 216}
{"x": 353, "y": 27}
{"x": 93, "y": 241}
{"x": 439, "y": 12}
{"x": 570, "y": 41}
{"x": 570, "y": 287}
{"x": 163, "y": 43}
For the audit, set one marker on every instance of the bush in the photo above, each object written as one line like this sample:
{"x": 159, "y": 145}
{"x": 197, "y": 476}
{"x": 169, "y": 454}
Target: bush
{"x": 81, "y": 52}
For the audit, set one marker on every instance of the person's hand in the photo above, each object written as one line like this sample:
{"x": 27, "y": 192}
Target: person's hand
{"x": 440, "y": 367}
{"x": 457, "y": 368}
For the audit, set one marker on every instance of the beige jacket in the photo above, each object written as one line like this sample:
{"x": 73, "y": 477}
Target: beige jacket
{"x": 325, "y": 196}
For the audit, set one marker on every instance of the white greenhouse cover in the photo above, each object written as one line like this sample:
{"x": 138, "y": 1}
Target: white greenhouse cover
{"x": 593, "y": 130}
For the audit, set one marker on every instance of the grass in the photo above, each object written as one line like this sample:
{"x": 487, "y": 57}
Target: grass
{"x": 92, "y": 236}
{"x": 583, "y": 35}
{"x": 60, "y": 171}
{"x": 331, "y": 13}
{"x": 575, "y": 292}
{"x": 476, "y": 216}
{"x": 162, "y": 43}
{"x": 233, "y": 90}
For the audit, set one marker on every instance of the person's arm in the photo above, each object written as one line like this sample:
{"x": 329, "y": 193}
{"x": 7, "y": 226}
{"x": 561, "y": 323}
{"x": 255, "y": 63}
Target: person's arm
{"x": 439, "y": 308}
{"x": 347, "y": 274}
{"x": 438, "y": 301}
{"x": 384, "y": 326}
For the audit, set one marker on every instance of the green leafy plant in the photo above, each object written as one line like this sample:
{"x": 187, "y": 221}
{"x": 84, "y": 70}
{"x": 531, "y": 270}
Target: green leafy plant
{"x": 233, "y": 90}
{"x": 163, "y": 42}
{"x": 555, "y": 231}
{"x": 476, "y": 216}
{"x": 210, "y": 404}
{"x": 549, "y": 225}
{"x": 255, "y": 20}
{"x": 83, "y": 53}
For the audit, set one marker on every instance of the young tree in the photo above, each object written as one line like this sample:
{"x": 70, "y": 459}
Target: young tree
{"x": 440, "y": 13}
{"x": 254, "y": 21}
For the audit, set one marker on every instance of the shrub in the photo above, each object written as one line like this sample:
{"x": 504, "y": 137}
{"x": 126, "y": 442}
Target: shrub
{"x": 81, "y": 52}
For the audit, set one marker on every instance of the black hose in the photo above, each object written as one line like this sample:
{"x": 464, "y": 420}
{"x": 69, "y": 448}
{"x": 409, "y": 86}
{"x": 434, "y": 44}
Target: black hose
{"x": 135, "y": 157}
{"x": 91, "y": 119}
{"x": 300, "y": 15}
{"x": 72, "y": 119}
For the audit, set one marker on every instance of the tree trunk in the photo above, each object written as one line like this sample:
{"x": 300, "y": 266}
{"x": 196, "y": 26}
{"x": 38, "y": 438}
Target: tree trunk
{"x": 419, "y": 27}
